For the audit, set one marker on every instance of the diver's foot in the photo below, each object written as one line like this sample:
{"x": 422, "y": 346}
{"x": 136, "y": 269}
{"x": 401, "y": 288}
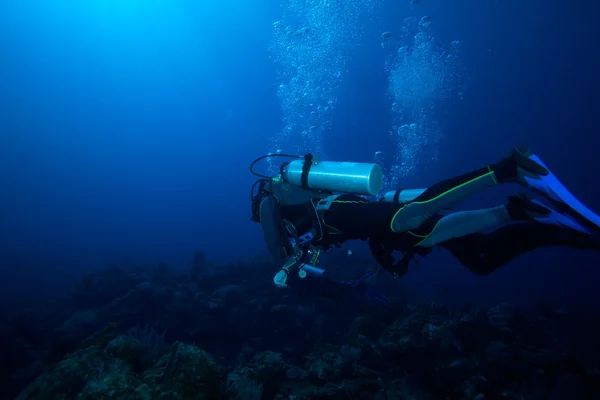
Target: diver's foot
{"x": 522, "y": 208}
{"x": 517, "y": 166}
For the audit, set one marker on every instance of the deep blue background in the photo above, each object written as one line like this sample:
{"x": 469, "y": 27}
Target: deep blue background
{"x": 126, "y": 130}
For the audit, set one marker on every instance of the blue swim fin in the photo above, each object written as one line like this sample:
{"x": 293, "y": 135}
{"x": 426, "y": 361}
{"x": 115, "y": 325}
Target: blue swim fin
{"x": 560, "y": 220}
{"x": 556, "y": 192}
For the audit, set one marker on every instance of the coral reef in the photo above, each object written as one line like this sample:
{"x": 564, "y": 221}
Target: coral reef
{"x": 225, "y": 332}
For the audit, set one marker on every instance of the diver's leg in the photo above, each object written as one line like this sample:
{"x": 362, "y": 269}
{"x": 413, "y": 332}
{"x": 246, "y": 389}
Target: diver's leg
{"x": 441, "y": 195}
{"x": 464, "y": 223}
{"x": 485, "y": 253}
{"x": 447, "y": 193}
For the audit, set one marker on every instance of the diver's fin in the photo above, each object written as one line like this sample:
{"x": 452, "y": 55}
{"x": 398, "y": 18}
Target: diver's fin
{"x": 518, "y": 165}
{"x": 522, "y": 155}
{"x": 522, "y": 208}
{"x": 554, "y": 190}
{"x": 560, "y": 220}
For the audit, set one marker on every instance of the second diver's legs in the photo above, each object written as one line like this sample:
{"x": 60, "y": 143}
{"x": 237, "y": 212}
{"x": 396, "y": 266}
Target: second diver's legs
{"x": 447, "y": 193}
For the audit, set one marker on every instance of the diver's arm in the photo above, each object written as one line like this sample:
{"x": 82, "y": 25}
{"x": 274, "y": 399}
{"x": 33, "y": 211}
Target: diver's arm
{"x": 291, "y": 265}
{"x": 302, "y": 258}
{"x": 302, "y": 263}
{"x": 307, "y": 279}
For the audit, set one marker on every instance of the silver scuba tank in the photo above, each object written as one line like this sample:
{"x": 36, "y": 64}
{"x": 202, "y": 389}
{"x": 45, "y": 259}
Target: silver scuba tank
{"x": 402, "y": 196}
{"x": 334, "y": 176}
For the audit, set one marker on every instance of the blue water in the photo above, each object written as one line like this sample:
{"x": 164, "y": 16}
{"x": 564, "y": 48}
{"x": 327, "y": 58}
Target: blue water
{"x": 127, "y": 127}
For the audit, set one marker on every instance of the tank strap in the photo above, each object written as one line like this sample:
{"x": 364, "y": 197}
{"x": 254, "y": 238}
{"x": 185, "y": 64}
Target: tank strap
{"x": 325, "y": 204}
{"x": 397, "y": 195}
{"x": 308, "y": 162}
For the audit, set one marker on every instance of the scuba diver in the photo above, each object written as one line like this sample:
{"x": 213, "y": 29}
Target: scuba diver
{"x": 315, "y": 205}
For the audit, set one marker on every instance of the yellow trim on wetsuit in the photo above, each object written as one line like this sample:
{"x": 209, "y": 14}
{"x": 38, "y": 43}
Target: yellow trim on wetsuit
{"x": 350, "y": 201}
{"x": 338, "y": 231}
{"x": 429, "y": 234}
{"x": 421, "y": 236}
{"x": 316, "y": 260}
{"x": 442, "y": 194}
{"x": 493, "y": 175}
